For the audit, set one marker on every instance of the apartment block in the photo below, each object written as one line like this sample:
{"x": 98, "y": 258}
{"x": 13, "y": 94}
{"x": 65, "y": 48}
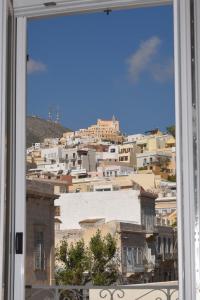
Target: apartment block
{"x": 155, "y": 161}
{"x": 84, "y": 158}
{"x": 127, "y": 154}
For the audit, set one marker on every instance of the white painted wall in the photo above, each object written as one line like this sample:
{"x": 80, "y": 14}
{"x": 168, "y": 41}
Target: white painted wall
{"x": 53, "y": 167}
{"x": 112, "y": 205}
{"x": 114, "y": 170}
{"x": 106, "y": 155}
{"x": 51, "y": 153}
{"x": 135, "y": 137}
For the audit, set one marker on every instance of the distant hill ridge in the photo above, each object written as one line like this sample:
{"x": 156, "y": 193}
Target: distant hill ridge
{"x": 37, "y": 129}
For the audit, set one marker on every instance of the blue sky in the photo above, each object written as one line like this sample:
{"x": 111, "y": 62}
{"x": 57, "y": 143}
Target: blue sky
{"x": 96, "y": 65}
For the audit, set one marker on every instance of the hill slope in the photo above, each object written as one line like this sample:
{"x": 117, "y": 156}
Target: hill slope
{"x": 37, "y": 129}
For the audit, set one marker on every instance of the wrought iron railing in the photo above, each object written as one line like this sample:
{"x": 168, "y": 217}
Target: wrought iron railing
{"x": 160, "y": 291}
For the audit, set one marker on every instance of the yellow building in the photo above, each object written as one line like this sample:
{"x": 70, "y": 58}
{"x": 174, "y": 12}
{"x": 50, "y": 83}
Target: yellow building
{"x": 68, "y": 134}
{"x": 108, "y": 130}
{"x": 127, "y": 154}
{"x": 35, "y": 157}
{"x": 156, "y": 143}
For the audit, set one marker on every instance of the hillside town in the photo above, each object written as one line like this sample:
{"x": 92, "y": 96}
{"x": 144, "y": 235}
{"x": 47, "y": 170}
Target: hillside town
{"x": 97, "y": 179}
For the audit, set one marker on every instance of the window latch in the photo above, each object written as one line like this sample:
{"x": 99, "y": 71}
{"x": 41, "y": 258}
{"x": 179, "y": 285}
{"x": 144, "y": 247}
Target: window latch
{"x": 49, "y": 4}
{"x": 19, "y": 243}
{"x": 107, "y": 11}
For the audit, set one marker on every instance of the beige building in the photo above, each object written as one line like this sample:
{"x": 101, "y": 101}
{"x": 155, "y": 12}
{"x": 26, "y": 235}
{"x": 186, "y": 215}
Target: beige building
{"x": 127, "y": 154}
{"x": 130, "y": 226}
{"x": 155, "y": 140}
{"x": 149, "y": 182}
{"x": 60, "y": 183}
{"x": 166, "y": 210}
{"x": 97, "y": 183}
{"x": 141, "y": 245}
{"x": 68, "y": 134}
{"x": 157, "y": 162}
{"x": 105, "y": 130}
{"x": 40, "y": 233}
{"x": 84, "y": 158}
{"x": 132, "y": 248}
{"x": 34, "y": 157}
{"x": 146, "y": 181}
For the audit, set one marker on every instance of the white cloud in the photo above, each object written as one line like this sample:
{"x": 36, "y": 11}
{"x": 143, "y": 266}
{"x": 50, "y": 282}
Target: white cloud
{"x": 140, "y": 60}
{"x": 163, "y": 72}
{"x": 34, "y": 66}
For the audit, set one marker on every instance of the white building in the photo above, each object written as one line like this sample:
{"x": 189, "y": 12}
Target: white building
{"x": 75, "y": 207}
{"x": 54, "y": 154}
{"x": 108, "y": 205}
{"x": 51, "y": 141}
{"x": 114, "y": 170}
{"x": 52, "y": 168}
{"x": 112, "y": 154}
{"x": 135, "y": 137}
{"x": 73, "y": 140}
{"x": 149, "y": 158}
{"x": 37, "y": 146}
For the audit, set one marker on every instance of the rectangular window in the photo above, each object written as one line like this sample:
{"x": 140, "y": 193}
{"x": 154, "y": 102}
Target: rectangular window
{"x": 139, "y": 257}
{"x": 130, "y": 259}
{"x": 57, "y": 209}
{"x": 39, "y": 251}
{"x": 159, "y": 245}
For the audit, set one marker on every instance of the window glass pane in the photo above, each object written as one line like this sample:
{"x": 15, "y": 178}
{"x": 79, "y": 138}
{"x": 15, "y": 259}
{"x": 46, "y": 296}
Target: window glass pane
{"x": 39, "y": 251}
{"x": 101, "y": 151}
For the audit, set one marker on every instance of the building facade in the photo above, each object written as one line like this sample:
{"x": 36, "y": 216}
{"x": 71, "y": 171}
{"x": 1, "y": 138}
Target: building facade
{"x": 106, "y": 130}
{"x": 127, "y": 154}
{"x": 40, "y": 213}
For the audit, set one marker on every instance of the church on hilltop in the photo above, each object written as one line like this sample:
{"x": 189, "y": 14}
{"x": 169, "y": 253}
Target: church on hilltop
{"x": 103, "y": 130}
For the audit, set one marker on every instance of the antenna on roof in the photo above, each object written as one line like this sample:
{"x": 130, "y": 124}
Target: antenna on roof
{"x": 57, "y": 115}
{"x": 50, "y": 114}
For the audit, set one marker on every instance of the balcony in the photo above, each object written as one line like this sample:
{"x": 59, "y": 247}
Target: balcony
{"x": 150, "y": 291}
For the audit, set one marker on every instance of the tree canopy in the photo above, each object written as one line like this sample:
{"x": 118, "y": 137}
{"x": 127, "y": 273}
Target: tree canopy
{"x": 77, "y": 264}
{"x": 72, "y": 263}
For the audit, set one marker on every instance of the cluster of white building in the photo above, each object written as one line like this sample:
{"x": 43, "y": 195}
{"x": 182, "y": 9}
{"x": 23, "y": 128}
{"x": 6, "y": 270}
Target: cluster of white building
{"x": 81, "y": 155}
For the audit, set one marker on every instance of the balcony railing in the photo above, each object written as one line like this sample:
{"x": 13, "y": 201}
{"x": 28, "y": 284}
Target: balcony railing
{"x": 158, "y": 291}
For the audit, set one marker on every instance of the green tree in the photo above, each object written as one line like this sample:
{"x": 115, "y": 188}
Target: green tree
{"x": 77, "y": 264}
{"x": 71, "y": 263}
{"x": 171, "y": 130}
{"x": 104, "y": 263}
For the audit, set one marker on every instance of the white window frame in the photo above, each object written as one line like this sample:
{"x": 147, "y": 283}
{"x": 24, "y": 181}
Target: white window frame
{"x": 187, "y": 126}
{"x": 3, "y": 59}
